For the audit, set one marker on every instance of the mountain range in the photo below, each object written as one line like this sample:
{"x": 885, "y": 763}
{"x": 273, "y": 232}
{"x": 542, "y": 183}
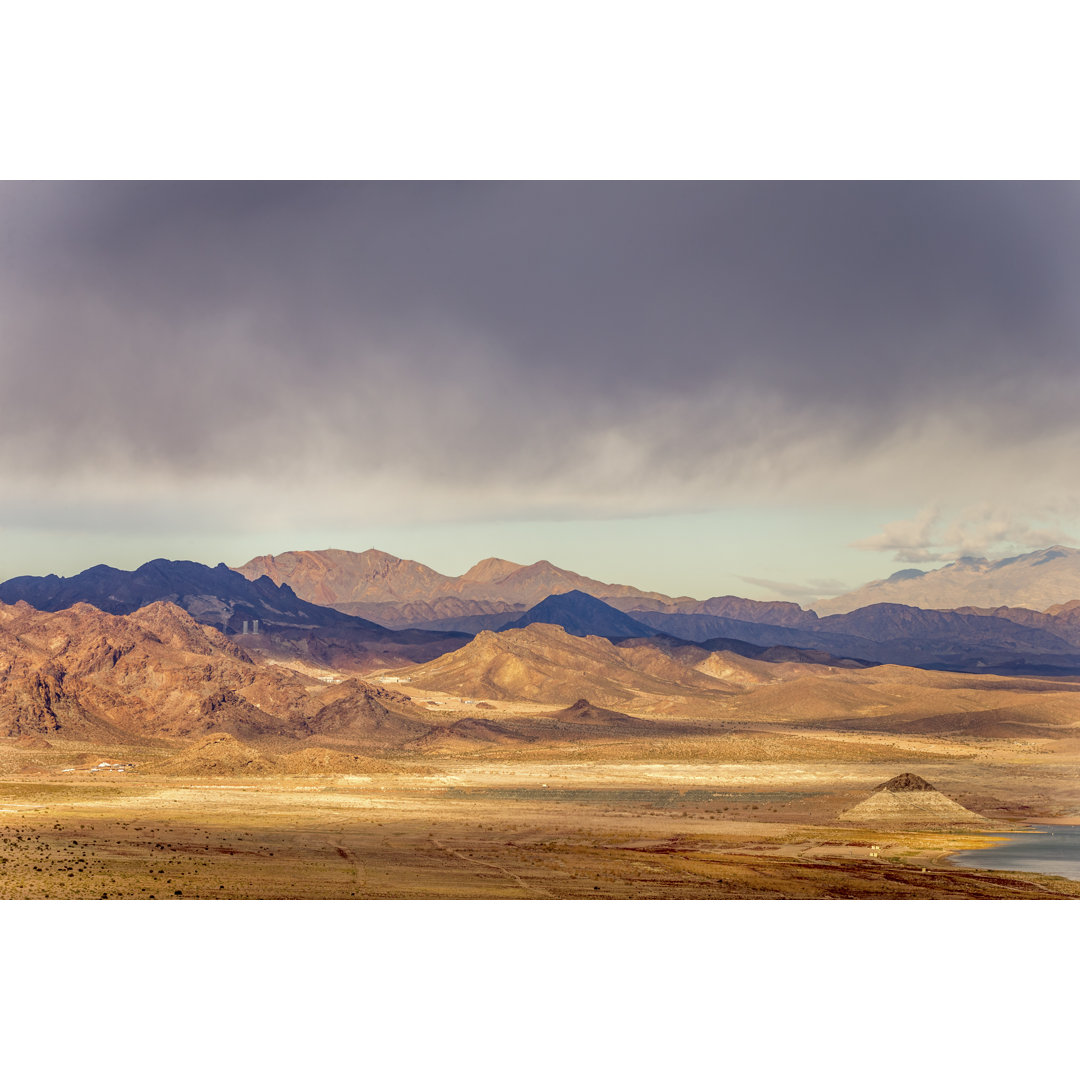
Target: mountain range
{"x": 399, "y": 592}
{"x": 220, "y": 597}
{"x": 1006, "y": 641}
{"x": 1036, "y": 580}
{"x": 294, "y": 628}
{"x": 158, "y": 674}
{"x": 497, "y": 594}
{"x": 883, "y": 633}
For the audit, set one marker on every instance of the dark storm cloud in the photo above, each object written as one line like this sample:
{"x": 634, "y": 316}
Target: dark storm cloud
{"x": 616, "y": 346}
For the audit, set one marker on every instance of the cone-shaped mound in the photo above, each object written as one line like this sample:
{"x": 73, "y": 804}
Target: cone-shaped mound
{"x": 584, "y": 712}
{"x": 906, "y": 782}
{"x": 582, "y": 615}
{"x": 32, "y": 742}
{"x": 367, "y": 714}
{"x": 909, "y": 798}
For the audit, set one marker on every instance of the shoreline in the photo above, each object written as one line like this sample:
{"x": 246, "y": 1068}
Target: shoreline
{"x": 1038, "y": 827}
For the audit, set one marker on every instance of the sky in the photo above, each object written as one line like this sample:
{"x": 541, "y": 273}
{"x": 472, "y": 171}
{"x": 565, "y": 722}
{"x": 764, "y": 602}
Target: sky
{"x": 778, "y": 390}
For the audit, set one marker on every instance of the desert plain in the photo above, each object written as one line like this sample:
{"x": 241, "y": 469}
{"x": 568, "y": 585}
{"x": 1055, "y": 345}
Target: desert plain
{"x": 747, "y": 814}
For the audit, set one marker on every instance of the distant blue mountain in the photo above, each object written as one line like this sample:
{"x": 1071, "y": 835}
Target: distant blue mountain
{"x": 896, "y": 634}
{"x": 880, "y": 633}
{"x": 884, "y": 633}
{"x": 582, "y": 615}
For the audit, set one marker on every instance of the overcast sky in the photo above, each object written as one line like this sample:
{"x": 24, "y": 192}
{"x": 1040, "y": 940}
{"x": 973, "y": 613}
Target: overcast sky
{"x": 778, "y": 389}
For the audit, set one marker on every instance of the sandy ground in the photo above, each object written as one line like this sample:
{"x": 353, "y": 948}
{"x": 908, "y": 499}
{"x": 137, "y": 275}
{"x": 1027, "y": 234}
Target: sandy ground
{"x": 495, "y": 824}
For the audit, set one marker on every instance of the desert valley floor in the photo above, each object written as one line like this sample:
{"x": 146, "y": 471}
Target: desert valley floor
{"x": 744, "y": 815}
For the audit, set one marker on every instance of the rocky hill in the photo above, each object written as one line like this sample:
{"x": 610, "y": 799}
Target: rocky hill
{"x": 157, "y": 673}
{"x": 545, "y": 664}
{"x": 333, "y": 576}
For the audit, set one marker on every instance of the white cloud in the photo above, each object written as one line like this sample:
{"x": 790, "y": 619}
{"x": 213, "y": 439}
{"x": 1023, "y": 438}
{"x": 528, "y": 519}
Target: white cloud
{"x": 976, "y": 531}
{"x": 800, "y": 592}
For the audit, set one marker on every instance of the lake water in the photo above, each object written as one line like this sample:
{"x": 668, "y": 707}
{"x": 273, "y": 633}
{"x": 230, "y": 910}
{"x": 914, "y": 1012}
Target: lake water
{"x": 1054, "y": 849}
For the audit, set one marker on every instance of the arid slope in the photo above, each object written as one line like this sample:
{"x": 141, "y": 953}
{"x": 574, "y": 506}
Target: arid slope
{"x": 544, "y": 664}
{"x": 158, "y": 673}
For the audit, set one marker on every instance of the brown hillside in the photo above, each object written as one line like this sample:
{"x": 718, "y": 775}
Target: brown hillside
{"x": 359, "y": 712}
{"x": 83, "y": 674}
{"x": 542, "y": 663}
{"x": 468, "y": 733}
{"x": 32, "y": 742}
{"x": 219, "y": 754}
{"x": 334, "y": 576}
{"x": 890, "y": 698}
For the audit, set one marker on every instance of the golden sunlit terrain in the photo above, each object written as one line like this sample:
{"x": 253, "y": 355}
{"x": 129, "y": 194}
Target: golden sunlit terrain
{"x": 748, "y": 814}
{"x": 149, "y": 756}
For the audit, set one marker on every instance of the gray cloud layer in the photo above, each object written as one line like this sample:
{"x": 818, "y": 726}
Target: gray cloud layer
{"x": 552, "y": 349}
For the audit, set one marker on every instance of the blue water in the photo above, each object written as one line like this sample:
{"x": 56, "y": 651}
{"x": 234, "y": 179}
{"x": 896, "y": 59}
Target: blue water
{"x": 1054, "y": 849}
